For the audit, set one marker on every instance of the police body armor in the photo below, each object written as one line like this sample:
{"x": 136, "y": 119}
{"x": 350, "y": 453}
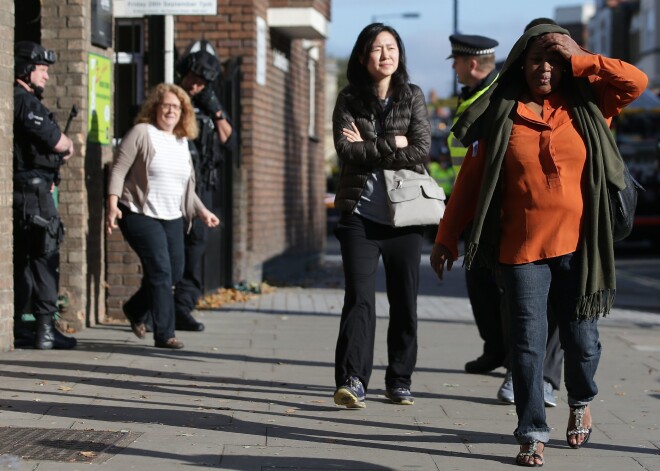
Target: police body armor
{"x": 206, "y": 153}
{"x": 35, "y": 168}
{"x": 457, "y": 150}
{"x": 27, "y": 154}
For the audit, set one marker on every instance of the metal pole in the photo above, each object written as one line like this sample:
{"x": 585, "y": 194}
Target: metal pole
{"x": 169, "y": 49}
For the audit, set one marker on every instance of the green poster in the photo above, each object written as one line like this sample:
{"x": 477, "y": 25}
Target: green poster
{"x": 99, "y": 99}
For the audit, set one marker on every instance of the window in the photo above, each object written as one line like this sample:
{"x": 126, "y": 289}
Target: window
{"x": 312, "y": 61}
{"x": 129, "y": 72}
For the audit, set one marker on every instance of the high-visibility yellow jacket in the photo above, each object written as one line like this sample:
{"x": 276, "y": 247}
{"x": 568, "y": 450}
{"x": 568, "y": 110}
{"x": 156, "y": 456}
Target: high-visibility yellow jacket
{"x": 444, "y": 176}
{"x": 456, "y": 149}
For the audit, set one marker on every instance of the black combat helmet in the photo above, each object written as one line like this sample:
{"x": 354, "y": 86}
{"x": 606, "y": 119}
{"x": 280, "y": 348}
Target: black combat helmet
{"x": 28, "y": 54}
{"x": 201, "y": 60}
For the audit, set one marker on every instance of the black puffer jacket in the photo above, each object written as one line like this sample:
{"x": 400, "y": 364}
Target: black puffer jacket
{"x": 407, "y": 117}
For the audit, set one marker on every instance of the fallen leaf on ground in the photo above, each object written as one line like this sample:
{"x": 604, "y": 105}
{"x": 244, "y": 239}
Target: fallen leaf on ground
{"x": 224, "y": 296}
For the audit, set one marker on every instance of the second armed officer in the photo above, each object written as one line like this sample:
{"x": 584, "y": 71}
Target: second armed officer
{"x": 198, "y": 70}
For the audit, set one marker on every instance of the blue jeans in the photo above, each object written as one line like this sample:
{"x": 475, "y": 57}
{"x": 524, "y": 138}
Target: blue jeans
{"x": 529, "y": 287}
{"x": 159, "y": 244}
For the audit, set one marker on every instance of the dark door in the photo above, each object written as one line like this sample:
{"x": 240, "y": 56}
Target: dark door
{"x": 218, "y": 259}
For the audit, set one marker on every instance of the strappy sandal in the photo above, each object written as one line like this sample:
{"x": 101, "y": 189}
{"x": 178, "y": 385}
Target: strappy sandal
{"x": 578, "y": 427}
{"x": 531, "y": 451}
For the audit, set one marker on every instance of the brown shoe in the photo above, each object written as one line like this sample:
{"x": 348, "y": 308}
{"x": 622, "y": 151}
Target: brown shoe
{"x": 139, "y": 329}
{"x": 173, "y": 343}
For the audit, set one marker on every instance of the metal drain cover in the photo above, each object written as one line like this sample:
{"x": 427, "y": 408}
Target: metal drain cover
{"x": 66, "y": 445}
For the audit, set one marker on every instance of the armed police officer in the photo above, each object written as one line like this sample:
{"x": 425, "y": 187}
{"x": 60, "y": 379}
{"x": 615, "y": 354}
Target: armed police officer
{"x": 40, "y": 149}
{"x": 198, "y": 70}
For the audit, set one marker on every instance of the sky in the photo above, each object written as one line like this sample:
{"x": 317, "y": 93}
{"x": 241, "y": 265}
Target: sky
{"x": 426, "y": 38}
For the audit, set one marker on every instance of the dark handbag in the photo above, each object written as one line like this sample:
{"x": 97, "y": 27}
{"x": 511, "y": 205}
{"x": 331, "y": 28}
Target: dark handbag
{"x": 622, "y": 206}
{"x": 415, "y": 199}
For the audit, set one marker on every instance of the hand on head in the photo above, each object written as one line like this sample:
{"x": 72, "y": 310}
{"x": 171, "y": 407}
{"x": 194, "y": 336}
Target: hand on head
{"x": 562, "y": 44}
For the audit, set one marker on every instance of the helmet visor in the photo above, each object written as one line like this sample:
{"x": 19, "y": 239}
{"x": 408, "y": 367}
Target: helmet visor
{"x": 45, "y": 56}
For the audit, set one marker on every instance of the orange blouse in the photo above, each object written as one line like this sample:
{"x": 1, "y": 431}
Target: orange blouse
{"x": 542, "y": 172}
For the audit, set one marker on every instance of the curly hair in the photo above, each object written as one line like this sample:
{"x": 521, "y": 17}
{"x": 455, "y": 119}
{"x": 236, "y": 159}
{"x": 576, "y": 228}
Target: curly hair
{"x": 187, "y": 125}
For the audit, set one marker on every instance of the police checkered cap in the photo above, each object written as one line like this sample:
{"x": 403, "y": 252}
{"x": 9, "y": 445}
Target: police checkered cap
{"x": 471, "y": 45}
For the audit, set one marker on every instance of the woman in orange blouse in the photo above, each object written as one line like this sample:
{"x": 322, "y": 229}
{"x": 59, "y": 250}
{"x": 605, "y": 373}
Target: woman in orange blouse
{"x": 542, "y": 158}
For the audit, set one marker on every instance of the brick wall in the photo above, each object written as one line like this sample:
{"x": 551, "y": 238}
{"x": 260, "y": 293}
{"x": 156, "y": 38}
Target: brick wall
{"x": 278, "y": 191}
{"x": 66, "y": 28}
{"x": 279, "y": 213}
{"x": 6, "y": 159}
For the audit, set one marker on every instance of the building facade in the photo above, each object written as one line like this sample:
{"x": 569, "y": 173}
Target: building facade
{"x": 272, "y": 198}
{"x": 628, "y": 30}
{"x": 649, "y": 41}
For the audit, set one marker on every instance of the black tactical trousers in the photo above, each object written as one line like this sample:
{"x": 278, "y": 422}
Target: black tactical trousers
{"x": 189, "y": 289}
{"x": 36, "y": 264}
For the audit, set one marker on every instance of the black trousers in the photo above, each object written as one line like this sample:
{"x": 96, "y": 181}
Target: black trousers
{"x": 36, "y": 275}
{"x": 159, "y": 244}
{"x": 189, "y": 289}
{"x": 363, "y": 242}
{"x": 486, "y": 300}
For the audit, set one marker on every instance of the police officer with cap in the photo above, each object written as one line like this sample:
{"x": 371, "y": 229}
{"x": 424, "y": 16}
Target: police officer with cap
{"x": 198, "y": 70}
{"x": 40, "y": 149}
{"x": 474, "y": 63}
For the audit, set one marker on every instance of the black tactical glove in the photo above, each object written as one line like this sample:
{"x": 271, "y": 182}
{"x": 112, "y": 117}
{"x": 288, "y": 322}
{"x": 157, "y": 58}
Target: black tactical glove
{"x": 207, "y": 101}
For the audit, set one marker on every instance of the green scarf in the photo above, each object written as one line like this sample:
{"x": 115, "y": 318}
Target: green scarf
{"x": 490, "y": 119}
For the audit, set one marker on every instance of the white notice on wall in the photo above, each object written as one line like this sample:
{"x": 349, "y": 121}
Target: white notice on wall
{"x": 136, "y": 8}
{"x": 261, "y": 51}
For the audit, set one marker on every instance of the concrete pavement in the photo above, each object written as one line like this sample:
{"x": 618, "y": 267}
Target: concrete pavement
{"x": 254, "y": 392}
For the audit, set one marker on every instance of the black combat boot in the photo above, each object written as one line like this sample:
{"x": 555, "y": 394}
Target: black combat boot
{"x": 45, "y": 337}
{"x": 23, "y": 333}
{"x": 185, "y": 321}
{"x": 62, "y": 342}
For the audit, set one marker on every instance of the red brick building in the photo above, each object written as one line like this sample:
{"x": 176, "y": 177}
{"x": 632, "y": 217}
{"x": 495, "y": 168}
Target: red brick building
{"x": 272, "y": 199}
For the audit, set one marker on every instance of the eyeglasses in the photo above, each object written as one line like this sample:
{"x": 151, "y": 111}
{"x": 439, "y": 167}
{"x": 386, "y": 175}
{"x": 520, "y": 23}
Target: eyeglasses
{"x": 170, "y": 106}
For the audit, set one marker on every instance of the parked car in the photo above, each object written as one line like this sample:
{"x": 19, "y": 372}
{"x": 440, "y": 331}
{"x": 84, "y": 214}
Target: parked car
{"x": 638, "y": 137}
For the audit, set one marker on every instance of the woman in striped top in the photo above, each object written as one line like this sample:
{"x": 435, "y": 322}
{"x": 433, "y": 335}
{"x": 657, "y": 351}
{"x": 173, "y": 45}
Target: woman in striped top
{"x": 151, "y": 196}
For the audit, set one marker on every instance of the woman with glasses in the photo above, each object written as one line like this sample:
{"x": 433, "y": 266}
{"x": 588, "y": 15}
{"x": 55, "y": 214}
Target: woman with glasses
{"x": 151, "y": 196}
